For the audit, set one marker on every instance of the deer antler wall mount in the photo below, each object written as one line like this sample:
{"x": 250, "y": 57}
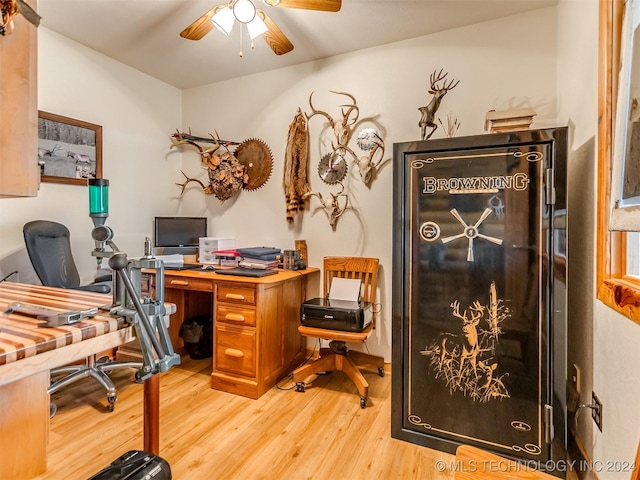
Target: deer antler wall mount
{"x": 333, "y": 166}
{"x": 248, "y": 168}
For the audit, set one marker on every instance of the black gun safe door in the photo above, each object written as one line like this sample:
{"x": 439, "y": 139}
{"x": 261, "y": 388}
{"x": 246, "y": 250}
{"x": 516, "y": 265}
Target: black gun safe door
{"x": 476, "y": 251}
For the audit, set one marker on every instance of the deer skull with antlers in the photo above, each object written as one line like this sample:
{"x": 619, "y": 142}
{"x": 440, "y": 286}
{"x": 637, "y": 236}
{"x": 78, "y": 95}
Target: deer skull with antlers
{"x": 341, "y": 128}
{"x": 331, "y": 205}
{"x": 369, "y": 140}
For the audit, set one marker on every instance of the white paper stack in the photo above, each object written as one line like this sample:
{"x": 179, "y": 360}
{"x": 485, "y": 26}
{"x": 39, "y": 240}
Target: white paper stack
{"x": 344, "y": 290}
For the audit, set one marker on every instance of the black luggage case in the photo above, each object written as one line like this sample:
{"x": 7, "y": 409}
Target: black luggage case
{"x": 135, "y": 465}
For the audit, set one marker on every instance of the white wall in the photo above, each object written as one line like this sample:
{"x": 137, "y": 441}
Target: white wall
{"x": 607, "y": 346}
{"x": 137, "y": 113}
{"x": 389, "y": 83}
{"x": 578, "y": 107}
{"x": 615, "y": 381}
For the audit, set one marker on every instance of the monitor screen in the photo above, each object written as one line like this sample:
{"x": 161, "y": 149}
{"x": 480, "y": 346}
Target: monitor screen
{"x": 179, "y": 231}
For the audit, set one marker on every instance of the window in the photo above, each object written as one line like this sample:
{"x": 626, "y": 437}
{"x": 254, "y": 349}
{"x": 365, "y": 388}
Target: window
{"x": 618, "y": 252}
{"x": 625, "y": 168}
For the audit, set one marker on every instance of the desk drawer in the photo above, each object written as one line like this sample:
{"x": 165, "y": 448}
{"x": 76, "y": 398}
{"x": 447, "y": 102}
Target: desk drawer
{"x": 188, "y": 283}
{"x": 241, "y": 294}
{"x": 234, "y": 350}
{"x": 236, "y": 315}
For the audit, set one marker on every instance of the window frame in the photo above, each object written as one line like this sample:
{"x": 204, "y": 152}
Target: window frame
{"x": 615, "y": 288}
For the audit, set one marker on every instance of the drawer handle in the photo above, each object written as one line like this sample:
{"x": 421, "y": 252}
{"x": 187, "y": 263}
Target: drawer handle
{"x": 234, "y": 352}
{"x": 235, "y": 296}
{"x": 184, "y": 283}
{"x": 236, "y": 317}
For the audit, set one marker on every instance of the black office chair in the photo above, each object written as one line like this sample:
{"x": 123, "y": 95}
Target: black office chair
{"x": 49, "y": 248}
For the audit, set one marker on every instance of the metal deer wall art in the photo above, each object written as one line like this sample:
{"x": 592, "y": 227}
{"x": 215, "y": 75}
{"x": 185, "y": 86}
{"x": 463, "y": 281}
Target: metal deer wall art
{"x": 438, "y": 91}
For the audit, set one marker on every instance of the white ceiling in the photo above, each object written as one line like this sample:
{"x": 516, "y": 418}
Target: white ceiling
{"x": 144, "y": 34}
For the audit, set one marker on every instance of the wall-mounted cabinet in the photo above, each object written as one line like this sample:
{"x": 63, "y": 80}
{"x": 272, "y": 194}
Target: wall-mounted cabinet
{"x": 19, "y": 171}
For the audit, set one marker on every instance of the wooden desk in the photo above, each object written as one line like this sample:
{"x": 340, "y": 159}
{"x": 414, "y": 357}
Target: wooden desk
{"x": 28, "y": 352}
{"x": 255, "y": 324}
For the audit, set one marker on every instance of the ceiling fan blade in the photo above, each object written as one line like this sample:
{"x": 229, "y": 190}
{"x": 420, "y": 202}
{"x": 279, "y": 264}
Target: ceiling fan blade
{"x": 28, "y": 12}
{"x": 201, "y": 26}
{"x": 274, "y": 37}
{"x": 321, "y": 5}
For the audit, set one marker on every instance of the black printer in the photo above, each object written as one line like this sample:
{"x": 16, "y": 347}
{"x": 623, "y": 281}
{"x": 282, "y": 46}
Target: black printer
{"x": 350, "y": 316}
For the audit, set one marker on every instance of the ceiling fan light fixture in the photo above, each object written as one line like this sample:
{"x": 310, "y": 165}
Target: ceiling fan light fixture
{"x": 256, "y": 27}
{"x": 244, "y": 11}
{"x": 224, "y": 20}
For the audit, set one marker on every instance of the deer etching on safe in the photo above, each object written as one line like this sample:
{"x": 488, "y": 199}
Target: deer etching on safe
{"x": 469, "y": 340}
{"x": 467, "y": 359}
{"x": 429, "y": 111}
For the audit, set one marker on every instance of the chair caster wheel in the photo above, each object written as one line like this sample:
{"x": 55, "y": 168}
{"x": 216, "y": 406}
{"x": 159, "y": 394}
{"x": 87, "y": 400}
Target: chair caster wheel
{"x": 300, "y": 387}
{"x": 363, "y": 402}
{"x": 381, "y": 371}
{"x": 53, "y": 408}
{"x": 112, "y": 402}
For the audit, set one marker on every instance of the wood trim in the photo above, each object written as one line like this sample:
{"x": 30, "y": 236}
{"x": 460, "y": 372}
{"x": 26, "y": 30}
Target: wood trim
{"x": 623, "y": 296}
{"x": 636, "y": 470}
{"x": 606, "y": 90}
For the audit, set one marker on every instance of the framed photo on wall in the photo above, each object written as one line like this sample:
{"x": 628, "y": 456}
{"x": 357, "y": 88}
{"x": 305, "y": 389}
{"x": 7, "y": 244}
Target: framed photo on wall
{"x": 69, "y": 150}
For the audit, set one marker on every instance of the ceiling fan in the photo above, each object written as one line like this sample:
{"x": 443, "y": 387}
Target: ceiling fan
{"x": 258, "y": 23}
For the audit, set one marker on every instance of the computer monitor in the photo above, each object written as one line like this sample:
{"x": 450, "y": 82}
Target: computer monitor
{"x": 179, "y": 234}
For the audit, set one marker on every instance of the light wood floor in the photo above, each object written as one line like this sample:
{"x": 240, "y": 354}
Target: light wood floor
{"x": 206, "y": 434}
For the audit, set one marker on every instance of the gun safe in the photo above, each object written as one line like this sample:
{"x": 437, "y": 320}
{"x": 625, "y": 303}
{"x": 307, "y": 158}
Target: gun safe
{"x": 479, "y": 276}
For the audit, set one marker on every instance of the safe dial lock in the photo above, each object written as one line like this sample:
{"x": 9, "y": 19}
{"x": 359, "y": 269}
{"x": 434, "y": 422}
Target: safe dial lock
{"x": 429, "y": 231}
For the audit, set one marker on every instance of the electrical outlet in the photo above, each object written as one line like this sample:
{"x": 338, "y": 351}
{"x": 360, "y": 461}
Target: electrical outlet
{"x": 575, "y": 377}
{"x": 596, "y": 410}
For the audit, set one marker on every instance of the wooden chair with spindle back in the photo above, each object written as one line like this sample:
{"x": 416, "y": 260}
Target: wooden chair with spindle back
{"x": 338, "y": 356}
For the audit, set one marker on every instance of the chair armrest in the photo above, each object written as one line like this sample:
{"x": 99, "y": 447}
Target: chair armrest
{"x": 103, "y": 278}
{"x": 95, "y": 287}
